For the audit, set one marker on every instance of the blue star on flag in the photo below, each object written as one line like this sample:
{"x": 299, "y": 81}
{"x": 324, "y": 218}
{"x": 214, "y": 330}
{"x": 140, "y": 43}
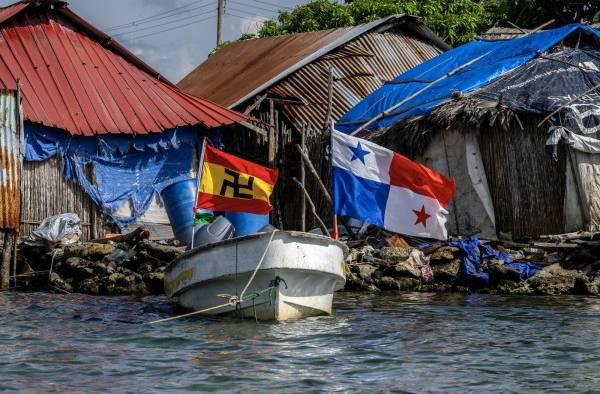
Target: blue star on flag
{"x": 358, "y": 153}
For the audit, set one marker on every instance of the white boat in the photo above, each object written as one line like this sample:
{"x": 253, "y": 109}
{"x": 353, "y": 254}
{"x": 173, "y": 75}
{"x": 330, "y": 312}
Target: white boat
{"x": 296, "y": 277}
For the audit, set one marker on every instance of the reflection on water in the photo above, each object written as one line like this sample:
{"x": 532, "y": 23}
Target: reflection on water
{"x": 410, "y": 342}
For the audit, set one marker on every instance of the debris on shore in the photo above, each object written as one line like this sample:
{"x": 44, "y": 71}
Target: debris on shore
{"x": 556, "y": 265}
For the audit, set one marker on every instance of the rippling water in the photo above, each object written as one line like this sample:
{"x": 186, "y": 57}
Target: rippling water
{"x": 407, "y": 342}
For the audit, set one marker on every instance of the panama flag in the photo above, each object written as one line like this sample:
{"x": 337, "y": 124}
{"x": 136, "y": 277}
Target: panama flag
{"x": 383, "y": 188}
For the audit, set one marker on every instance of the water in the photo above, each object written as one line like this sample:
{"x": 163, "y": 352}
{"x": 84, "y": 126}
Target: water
{"x": 376, "y": 343}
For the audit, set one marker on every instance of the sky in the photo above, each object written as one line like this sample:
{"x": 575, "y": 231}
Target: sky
{"x": 187, "y": 27}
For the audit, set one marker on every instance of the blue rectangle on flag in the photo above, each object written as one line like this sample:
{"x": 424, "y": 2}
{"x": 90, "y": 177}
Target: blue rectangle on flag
{"x": 359, "y": 198}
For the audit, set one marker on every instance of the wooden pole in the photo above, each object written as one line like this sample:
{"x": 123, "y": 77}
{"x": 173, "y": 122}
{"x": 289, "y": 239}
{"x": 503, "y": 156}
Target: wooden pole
{"x": 6, "y": 260}
{"x": 329, "y": 99}
{"x": 303, "y": 180}
{"x": 390, "y": 110}
{"x": 313, "y": 208}
{"x": 568, "y": 103}
{"x": 271, "y": 140}
{"x": 315, "y": 174}
{"x": 199, "y": 179}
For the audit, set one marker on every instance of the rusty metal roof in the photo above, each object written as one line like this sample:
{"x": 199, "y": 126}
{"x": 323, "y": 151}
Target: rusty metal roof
{"x": 244, "y": 69}
{"x": 76, "y": 78}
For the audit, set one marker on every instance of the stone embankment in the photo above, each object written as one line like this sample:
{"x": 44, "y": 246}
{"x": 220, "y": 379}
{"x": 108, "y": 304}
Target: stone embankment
{"x": 441, "y": 270}
{"x": 109, "y": 268}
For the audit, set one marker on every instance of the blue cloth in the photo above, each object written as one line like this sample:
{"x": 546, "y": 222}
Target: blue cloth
{"x": 125, "y": 168}
{"x": 494, "y": 59}
{"x": 475, "y": 253}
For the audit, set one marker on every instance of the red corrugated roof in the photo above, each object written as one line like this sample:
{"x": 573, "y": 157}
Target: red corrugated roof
{"x": 74, "y": 77}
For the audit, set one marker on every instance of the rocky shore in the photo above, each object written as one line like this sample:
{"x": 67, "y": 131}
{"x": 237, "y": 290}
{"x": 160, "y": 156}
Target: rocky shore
{"x": 134, "y": 265}
{"x": 441, "y": 269}
{"x": 109, "y": 268}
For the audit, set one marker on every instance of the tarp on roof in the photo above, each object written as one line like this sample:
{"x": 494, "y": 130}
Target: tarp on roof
{"x": 548, "y": 83}
{"x": 76, "y": 78}
{"x": 493, "y": 59}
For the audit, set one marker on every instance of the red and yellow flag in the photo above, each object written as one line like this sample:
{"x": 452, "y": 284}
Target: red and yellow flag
{"x": 231, "y": 184}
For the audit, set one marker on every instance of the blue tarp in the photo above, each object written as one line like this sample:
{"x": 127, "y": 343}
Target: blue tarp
{"x": 495, "y": 58}
{"x": 125, "y": 168}
{"x": 475, "y": 253}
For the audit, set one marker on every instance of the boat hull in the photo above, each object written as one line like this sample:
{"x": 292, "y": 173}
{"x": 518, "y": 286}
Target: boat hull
{"x": 297, "y": 277}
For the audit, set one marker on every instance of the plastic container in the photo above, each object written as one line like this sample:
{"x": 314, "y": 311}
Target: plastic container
{"x": 247, "y": 223}
{"x": 179, "y": 199}
{"x": 217, "y": 231}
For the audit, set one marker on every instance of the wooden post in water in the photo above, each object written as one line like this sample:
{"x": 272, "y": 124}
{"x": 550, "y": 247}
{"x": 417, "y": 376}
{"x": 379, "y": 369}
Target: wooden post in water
{"x": 9, "y": 238}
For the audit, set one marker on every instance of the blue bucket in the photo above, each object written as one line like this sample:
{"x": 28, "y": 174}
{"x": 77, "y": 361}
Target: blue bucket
{"x": 179, "y": 199}
{"x": 247, "y": 223}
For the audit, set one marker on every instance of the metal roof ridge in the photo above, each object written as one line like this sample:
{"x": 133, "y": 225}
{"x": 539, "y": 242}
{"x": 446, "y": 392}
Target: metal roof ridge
{"x": 352, "y": 33}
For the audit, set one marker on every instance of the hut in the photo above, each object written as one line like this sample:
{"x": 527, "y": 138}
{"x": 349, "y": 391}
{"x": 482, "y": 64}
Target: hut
{"x": 297, "y": 83}
{"x": 101, "y": 131}
{"x": 480, "y": 113}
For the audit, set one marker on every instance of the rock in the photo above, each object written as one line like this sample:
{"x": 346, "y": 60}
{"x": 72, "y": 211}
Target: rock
{"x": 394, "y": 255}
{"x": 89, "y": 250}
{"x": 554, "y": 280}
{"x": 60, "y": 283}
{"x": 500, "y": 273}
{"x": 588, "y": 286}
{"x": 401, "y": 284}
{"x": 76, "y": 268}
{"x": 354, "y": 283}
{"x": 356, "y": 255}
{"x": 99, "y": 268}
{"x": 445, "y": 271}
{"x": 364, "y": 271}
{"x": 89, "y": 286}
{"x": 161, "y": 252}
{"x": 406, "y": 268}
{"x": 154, "y": 282}
{"x": 444, "y": 253}
{"x": 512, "y": 287}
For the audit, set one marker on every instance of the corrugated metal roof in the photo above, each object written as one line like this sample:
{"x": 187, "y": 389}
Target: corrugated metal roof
{"x": 244, "y": 69}
{"x": 74, "y": 77}
{"x": 10, "y": 194}
{"x": 359, "y": 68}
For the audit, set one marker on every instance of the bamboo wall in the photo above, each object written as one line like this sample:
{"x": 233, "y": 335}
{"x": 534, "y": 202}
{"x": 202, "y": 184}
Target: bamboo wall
{"x": 526, "y": 184}
{"x": 46, "y": 192}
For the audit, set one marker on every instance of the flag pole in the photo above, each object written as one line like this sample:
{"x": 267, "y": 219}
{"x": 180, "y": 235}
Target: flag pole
{"x": 199, "y": 179}
{"x": 335, "y": 233}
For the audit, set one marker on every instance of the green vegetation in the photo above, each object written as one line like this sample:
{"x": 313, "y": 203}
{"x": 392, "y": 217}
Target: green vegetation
{"x": 456, "y": 21}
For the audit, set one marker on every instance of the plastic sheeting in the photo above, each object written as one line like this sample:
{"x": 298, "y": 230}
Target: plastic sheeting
{"x": 494, "y": 59}
{"x": 65, "y": 228}
{"x": 119, "y": 169}
{"x": 475, "y": 253}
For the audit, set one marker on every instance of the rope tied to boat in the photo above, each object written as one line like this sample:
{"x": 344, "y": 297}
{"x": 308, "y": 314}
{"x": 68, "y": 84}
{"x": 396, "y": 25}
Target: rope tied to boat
{"x": 234, "y": 300}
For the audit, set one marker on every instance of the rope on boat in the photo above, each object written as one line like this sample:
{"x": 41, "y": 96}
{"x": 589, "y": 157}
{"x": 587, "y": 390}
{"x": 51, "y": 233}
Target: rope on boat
{"x": 234, "y": 300}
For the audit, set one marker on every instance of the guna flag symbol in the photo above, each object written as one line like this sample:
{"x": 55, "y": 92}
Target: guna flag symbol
{"x": 231, "y": 184}
{"x": 381, "y": 187}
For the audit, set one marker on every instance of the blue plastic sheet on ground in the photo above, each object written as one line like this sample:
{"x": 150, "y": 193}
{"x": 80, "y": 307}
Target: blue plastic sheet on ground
{"x": 492, "y": 60}
{"x": 116, "y": 169}
{"x": 475, "y": 253}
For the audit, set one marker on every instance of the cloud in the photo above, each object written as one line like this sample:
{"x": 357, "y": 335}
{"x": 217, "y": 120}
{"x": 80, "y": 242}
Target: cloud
{"x": 177, "y": 51}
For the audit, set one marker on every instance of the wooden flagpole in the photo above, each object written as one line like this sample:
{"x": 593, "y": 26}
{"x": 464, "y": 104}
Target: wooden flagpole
{"x": 335, "y": 233}
{"x": 199, "y": 179}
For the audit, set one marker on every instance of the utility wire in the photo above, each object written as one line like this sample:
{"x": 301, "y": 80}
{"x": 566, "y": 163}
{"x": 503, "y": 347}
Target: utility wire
{"x": 274, "y": 5}
{"x": 248, "y": 17}
{"x": 246, "y": 12}
{"x": 167, "y": 30}
{"x": 164, "y": 24}
{"x": 159, "y": 16}
{"x": 253, "y": 6}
